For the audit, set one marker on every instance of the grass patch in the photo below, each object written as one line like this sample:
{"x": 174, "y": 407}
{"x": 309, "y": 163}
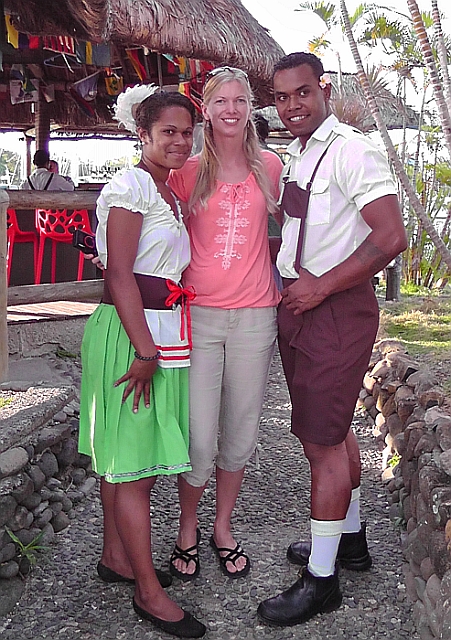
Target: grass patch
{"x": 423, "y": 324}
{"x": 4, "y": 402}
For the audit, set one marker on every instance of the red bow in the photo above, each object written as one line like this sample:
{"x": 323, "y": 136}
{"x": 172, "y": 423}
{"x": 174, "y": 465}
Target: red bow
{"x": 184, "y": 296}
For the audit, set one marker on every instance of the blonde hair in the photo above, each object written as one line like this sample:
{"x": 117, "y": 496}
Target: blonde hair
{"x": 209, "y": 164}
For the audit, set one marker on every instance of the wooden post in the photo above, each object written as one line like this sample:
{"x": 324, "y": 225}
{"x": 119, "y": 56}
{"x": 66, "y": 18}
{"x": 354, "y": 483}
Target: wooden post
{"x": 4, "y": 203}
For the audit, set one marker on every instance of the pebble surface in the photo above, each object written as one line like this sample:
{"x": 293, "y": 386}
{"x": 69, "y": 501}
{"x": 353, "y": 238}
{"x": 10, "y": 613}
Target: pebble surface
{"x": 64, "y": 598}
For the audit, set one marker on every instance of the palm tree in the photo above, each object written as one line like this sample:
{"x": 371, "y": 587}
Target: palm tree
{"x": 428, "y": 56}
{"x": 442, "y": 52}
{"x": 416, "y": 205}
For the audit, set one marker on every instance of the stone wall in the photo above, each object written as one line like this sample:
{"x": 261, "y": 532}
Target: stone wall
{"x": 411, "y": 425}
{"x": 42, "y": 476}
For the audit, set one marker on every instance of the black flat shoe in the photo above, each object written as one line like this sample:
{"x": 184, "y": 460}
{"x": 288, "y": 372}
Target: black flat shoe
{"x": 352, "y": 552}
{"x": 187, "y": 627}
{"x": 305, "y": 598}
{"x": 187, "y": 555}
{"x": 110, "y": 576}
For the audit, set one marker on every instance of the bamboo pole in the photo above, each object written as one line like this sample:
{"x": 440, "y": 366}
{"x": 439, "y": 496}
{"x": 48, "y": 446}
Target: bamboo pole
{"x": 4, "y": 202}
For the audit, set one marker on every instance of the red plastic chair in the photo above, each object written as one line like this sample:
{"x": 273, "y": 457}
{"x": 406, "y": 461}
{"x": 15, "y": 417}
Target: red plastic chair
{"x": 15, "y": 234}
{"x": 58, "y": 227}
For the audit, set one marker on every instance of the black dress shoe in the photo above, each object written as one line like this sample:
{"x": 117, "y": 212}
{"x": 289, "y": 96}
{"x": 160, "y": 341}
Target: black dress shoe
{"x": 187, "y": 627}
{"x": 108, "y": 575}
{"x": 305, "y": 598}
{"x": 352, "y": 553}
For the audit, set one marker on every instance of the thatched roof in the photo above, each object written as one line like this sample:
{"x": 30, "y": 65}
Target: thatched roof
{"x": 353, "y": 108}
{"x": 220, "y": 31}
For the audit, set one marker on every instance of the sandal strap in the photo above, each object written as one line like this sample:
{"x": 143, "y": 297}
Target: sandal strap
{"x": 184, "y": 554}
{"x": 232, "y": 554}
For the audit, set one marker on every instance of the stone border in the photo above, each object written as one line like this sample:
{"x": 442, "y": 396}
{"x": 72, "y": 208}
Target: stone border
{"x": 405, "y": 402}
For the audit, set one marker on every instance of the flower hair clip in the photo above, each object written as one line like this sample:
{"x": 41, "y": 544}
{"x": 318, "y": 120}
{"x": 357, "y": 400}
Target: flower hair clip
{"x": 131, "y": 97}
{"x": 324, "y": 80}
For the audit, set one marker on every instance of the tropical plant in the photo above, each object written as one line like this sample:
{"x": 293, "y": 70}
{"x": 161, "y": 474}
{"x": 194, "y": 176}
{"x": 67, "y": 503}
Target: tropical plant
{"x": 28, "y": 551}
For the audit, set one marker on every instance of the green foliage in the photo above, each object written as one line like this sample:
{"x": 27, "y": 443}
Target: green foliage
{"x": 394, "y": 460}
{"x": 5, "y": 401}
{"x": 62, "y": 353}
{"x": 30, "y": 550}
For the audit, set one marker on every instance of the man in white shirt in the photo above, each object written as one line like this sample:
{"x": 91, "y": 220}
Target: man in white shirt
{"x": 44, "y": 180}
{"x": 342, "y": 224}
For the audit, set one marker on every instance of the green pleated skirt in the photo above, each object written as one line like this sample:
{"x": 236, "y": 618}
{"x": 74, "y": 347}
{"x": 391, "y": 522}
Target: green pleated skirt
{"x": 123, "y": 445}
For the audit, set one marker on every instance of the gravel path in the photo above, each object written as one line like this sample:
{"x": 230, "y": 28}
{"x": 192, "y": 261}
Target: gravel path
{"x": 64, "y": 598}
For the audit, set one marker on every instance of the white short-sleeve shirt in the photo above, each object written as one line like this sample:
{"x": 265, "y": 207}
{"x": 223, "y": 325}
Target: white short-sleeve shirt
{"x": 163, "y": 251}
{"x": 353, "y": 173}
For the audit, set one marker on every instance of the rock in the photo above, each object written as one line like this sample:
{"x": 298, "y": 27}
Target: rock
{"x": 60, "y": 416}
{"x": 78, "y": 476}
{"x": 443, "y": 433}
{"x": 9, "y": 570}
{"x": 12, "y": 461}
{"x": 67, "y": 504}
{"x": 60, "y": 521}
{"x": 88, "y": 486}
{"x": 7, "y": 508}
{"x": 44, "y": 518}
{"x": 22, "y": 519}
{"x": 48, "y": 535}
{"x": 23, "y": 487}
{"x": 68, "y": 453}
{"x": 48, "y": 464}
{"x": 53, "y": 484}
{"x": 32, "y": 501}
{"x": 36, "y": 476}
{"x": 28, "y": 535}
{"x": 10, "y": 594}
{"x": 445, "y": 462}
{"x": 8, "y": 552}
{"x": 433, "y": 397}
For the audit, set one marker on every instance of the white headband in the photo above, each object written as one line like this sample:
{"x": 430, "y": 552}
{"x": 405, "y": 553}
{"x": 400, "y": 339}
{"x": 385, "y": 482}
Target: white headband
{"x": 123, "y": 110}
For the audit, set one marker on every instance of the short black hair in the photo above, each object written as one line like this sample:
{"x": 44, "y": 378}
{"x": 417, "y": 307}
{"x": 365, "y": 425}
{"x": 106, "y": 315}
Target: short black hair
{"x": 41, "y": 158}
{"x": 262, "y": 127}
{"x": 150, "y": 109}
{"x": 293, "y": 60}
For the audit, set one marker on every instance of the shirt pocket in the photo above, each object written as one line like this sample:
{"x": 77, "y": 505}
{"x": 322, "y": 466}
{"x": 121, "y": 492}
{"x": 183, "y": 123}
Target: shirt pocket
{"x": 319, "y": 209}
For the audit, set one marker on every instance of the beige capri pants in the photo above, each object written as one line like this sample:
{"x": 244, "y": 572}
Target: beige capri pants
{"x": 232, "y": 352}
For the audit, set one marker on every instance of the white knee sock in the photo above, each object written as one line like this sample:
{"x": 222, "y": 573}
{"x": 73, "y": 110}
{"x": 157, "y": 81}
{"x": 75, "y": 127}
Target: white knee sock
{"x": 326, "y": 536}
{"x": 352, "y": 521}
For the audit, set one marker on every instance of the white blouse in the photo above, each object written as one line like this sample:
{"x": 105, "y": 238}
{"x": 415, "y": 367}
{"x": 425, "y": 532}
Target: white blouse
{"x": 163, "y": 251}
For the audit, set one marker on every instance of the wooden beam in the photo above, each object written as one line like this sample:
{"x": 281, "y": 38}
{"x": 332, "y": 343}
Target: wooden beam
{"x": 28, "y": 199}
{"x": 4, "y": 200}
{"x": 84, "y": 290}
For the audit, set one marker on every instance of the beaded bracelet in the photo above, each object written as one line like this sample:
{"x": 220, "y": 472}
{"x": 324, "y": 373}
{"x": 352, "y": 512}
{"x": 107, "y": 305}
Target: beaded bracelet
{"x": 148, "y": 358}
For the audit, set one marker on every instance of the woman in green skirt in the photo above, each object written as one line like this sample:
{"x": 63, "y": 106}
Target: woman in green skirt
{"x": 135, "y": 351}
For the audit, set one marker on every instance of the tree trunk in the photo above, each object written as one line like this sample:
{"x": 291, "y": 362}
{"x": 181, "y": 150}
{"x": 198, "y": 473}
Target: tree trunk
{"x": 393, "y": 279}
{"x": 428, "y": 55}
{"x": 442, "y": 53}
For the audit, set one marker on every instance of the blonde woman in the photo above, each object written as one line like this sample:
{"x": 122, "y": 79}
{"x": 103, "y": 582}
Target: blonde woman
{"x": 230, "y": 188}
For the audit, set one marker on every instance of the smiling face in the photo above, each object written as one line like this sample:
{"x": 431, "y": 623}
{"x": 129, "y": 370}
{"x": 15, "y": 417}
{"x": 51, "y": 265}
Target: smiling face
{"x": 228, "y": 108}
{"x": 301, "y": 103}
{"x": 169, "y": 142}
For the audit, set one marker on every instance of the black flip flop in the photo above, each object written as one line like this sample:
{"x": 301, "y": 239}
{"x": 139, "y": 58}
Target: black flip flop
{"x": 232, "y": 556}
{"x": 187, "y": 556}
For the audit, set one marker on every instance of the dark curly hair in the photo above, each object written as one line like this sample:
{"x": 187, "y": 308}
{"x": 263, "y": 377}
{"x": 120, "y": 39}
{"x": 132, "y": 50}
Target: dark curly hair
{"x": 293, "y": 60}
{"x": 150, "y": 109}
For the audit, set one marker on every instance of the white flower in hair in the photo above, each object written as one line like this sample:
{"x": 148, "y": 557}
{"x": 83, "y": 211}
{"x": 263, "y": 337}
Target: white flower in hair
{"x": 132, "y": 96}
{"x": 324, "y": 80}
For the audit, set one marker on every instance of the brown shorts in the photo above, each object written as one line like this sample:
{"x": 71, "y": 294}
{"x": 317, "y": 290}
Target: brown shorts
{"x": 325, "y": 354}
